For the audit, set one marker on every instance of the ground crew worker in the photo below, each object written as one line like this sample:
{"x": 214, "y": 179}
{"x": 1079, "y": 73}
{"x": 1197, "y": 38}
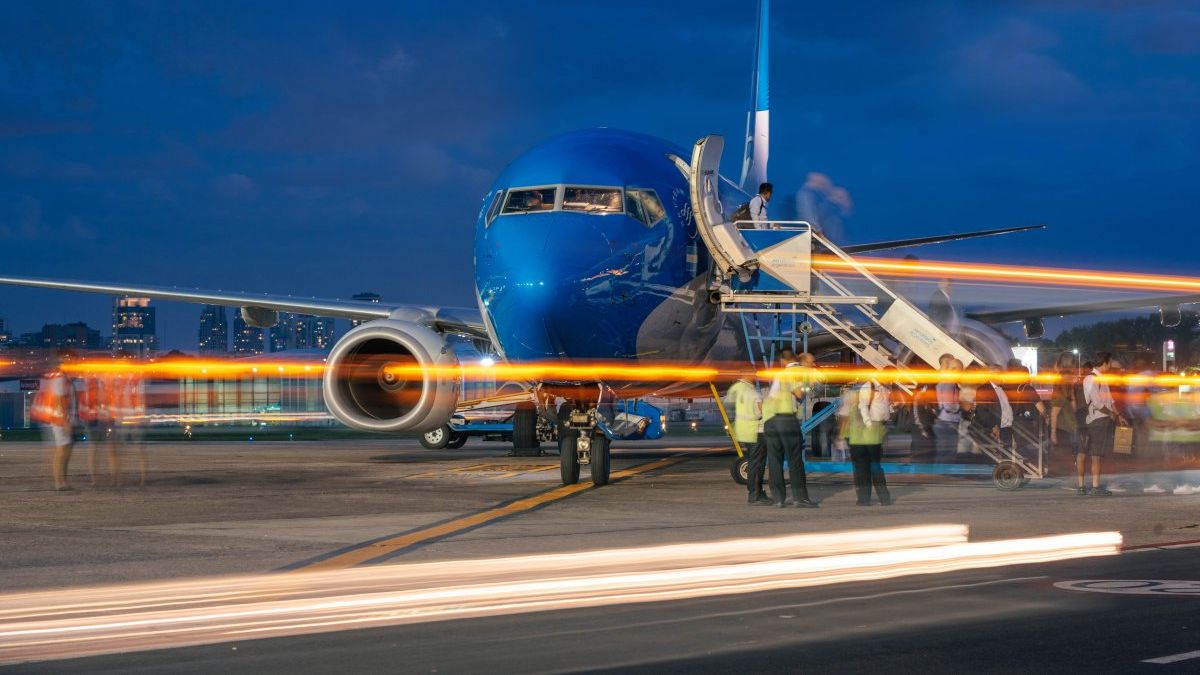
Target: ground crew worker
{"x": 92, "y": 410}
{"x": 866, "y": 428}
{"x": 782, "y": 431}
{"x": 747, "y": 423}
{"x": 52, "y": 409}
{"x": 126, "y": 408}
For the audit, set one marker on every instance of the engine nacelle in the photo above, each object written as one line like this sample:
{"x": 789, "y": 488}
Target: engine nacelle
{"x": 363, "y": 393}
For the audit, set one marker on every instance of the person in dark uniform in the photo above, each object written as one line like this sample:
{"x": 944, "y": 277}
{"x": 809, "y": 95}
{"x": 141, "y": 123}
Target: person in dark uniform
{"x": 781, "y": 428}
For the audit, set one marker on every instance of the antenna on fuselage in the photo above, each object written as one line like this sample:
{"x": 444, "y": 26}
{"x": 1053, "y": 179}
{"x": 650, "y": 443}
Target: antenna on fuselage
{"x": 758, "y": 122}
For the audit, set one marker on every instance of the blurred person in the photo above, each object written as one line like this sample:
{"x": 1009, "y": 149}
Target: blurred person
{"x": 1136, "y": 404}
{"x": 1067, "y": 408}
{"x": 941, "y": 308}
{"x": 52, "y": 409}
{"x": 866, "y": 429}
{"x": 1102, "y": 417}
{"x": 1173, "y": 430}
{"x": 991, "y": 415}
{"x": 92, "y": 410}
{"x": 924, "y": 416}
{"x": 747, "y": 403}
{"x": 949, "y": 412}
{"x": 781, "y": 429}
{"x": 1028, "y": 411}
{"x": 976, "y": 414}
{"x": 126, "y": 409}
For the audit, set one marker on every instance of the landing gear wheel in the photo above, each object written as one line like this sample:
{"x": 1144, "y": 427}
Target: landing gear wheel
{"x": 740, "y": 470}
{"x": 457, "y": 441}
{"x": 437, "y": 438}
{"x": 568, "y": 456}
{"x": 525, "y": 440}
{"x": 1008, "y": 476}
{"x": 601, "y": 460}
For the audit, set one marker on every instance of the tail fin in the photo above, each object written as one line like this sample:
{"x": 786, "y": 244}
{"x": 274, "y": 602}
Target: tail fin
{"x": 758, "y": 123}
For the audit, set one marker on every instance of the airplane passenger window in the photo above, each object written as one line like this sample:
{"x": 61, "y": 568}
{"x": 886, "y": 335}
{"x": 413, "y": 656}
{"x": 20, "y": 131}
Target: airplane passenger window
{"x": 644, "y": 205}
{"x": 494, "y": 209}
{"x": 592, "y": 200}
{"x": 529, "y": 201}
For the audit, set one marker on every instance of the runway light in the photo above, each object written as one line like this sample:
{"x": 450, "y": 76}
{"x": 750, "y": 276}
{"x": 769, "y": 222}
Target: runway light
{"x": 74, "y": 622}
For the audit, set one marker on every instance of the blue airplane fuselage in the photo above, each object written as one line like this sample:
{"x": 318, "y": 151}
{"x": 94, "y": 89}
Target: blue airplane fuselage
{"x": 562, "y": 284}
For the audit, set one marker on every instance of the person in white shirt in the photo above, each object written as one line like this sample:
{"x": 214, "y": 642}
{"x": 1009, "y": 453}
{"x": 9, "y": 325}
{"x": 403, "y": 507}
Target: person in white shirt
{"x": 758, "y": 206}
{"x": 1101, "y": 415}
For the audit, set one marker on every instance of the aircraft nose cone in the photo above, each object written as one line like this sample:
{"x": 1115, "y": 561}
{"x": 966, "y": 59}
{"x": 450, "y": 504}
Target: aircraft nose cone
{"x": 535, "y": 277}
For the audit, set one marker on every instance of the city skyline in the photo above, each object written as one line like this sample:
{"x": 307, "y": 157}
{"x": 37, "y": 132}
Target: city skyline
{"x": 934, "y": 116}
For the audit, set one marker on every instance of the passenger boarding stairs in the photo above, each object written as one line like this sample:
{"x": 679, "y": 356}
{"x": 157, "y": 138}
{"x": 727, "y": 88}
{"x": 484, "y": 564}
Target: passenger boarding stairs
{"x": 773, "y": 271}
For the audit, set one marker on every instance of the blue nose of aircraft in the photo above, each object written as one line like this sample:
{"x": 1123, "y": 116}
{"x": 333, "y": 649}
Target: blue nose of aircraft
{"x": 545, "y": 281}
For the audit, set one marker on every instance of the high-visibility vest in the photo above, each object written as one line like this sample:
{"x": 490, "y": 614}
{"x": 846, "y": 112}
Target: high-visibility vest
{"x": 52, "y": 404}
{"x": 91, "y": 405}
{"x": 125, "y": 398}
{"x": 747, "y": 410}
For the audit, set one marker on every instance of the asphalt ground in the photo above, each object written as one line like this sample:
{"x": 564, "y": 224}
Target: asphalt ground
{"x": 220, "y": 508}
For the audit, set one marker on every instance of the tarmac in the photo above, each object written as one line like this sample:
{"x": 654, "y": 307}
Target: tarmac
{"x": 251, "y": 507}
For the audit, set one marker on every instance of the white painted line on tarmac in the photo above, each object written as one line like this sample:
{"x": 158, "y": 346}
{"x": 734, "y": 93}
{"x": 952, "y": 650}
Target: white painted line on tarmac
{"x": 1174, "y": 658}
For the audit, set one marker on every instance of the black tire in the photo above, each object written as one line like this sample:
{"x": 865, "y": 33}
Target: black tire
{"x": 457, "y": 441}
{"x": 740, "y": 470}
{"x": 524, "y": 423}
{"x": 1008, "y": 476}
{"x": 437, "y": 438}
{"x": 568, "y": 456}
{"x": 601, "y": 460}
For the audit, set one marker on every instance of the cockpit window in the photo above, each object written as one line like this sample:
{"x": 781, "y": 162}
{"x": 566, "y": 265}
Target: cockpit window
{"x": 494, "y": 209}
{"x": 529, "y": 201}
{"x": 644, "y": 205}
{"x": 592, "y": 199}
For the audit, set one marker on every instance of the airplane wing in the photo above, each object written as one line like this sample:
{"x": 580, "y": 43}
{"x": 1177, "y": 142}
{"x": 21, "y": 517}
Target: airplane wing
{"x": 1025, "y": 313}
{"x": 935, "y": 239}
{"x": 465, "y": 321}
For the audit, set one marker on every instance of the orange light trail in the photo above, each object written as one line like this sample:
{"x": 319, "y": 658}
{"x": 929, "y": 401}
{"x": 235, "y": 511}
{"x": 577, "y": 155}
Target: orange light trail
{"x": 77, "y": 622}
{"x": 1016, "y": 274}
{"x": 598, "y": 372}
{"x": 199, "y": 368}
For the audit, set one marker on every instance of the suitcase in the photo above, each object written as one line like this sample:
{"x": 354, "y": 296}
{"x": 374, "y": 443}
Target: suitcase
{"x": 1123, "y": 441}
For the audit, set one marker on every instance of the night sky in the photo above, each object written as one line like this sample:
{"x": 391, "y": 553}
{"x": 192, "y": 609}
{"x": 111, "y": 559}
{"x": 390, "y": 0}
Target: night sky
{"x": 324, "y": 150}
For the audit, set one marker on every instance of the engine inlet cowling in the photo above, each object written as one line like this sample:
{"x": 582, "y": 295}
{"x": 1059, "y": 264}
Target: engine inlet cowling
{"x": 364, "y": 391}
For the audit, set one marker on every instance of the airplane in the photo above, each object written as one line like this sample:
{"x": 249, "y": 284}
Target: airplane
{"x": 585, "y": 248}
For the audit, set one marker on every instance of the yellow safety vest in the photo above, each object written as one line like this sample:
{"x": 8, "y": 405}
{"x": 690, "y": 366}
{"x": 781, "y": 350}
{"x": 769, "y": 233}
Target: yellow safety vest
{"x": 747, "y": 410}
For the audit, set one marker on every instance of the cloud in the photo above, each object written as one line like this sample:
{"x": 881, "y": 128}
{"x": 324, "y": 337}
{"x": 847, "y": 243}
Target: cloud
{"x": 79, "y": 229}
{"x": 235, "y": 186}
{"x": 21, "y": 219}
{"x": 1176, "y": 32}
{"x": 1010, "y": 68}
{"x": 396, "y": 63}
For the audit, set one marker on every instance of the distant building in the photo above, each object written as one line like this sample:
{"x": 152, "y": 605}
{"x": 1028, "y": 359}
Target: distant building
{"x": 5, "y": 336}
{"x": 364, "y": 297}
{"x": 246, "y": 338}
{"x": 302, "y": 331}
{"x": 214, "y": 330}
{"x": 281, "y": 332}
{"x": 75, "y": 336}
{"x": 133, "y": 329}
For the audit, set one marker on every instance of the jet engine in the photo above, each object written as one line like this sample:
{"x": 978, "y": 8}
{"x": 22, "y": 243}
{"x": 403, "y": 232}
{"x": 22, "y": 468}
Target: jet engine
{"x": 364, "y": 391}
